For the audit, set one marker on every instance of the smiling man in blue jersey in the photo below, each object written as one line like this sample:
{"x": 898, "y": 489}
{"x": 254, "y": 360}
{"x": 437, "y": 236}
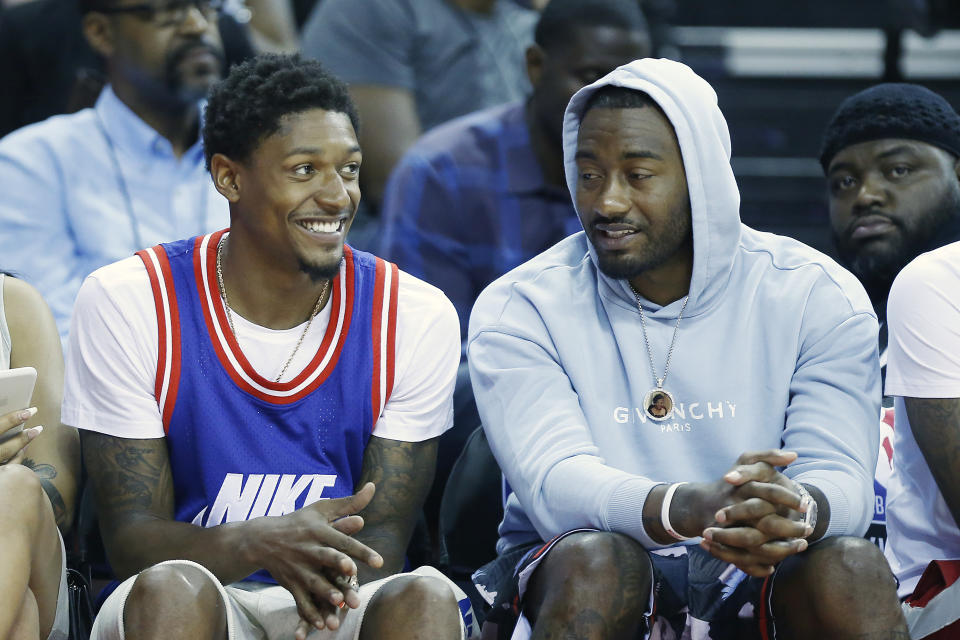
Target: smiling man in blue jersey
{"x": 684, "y": 408}
{"x": 266, "y": 370}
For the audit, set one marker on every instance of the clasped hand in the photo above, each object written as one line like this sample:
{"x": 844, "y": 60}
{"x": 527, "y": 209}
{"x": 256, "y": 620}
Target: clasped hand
{"x": 757, "y": 521}
{"x": 311, "y": 552}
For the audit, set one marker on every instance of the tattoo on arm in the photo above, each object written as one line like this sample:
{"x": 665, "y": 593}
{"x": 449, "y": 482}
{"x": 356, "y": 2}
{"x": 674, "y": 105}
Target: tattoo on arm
{"x": 402, "y": 473}
{"x": 130, "y": 477}
{"x": 47, "y": 473}
{"x": 935, "y": 423}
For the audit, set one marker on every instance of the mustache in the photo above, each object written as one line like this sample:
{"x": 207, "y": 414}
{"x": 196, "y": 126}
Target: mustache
{"x": 180, "y": 52}
{"x": 616, "y": 224}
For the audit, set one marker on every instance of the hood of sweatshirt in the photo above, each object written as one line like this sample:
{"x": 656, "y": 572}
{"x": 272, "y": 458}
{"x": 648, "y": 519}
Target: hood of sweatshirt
{"x": 691, "y": 106}
{"x": 777, "y": 348}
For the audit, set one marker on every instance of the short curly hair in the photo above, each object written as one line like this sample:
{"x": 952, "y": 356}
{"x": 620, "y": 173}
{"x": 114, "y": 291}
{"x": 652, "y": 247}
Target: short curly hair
{"x": 247, "y": 105}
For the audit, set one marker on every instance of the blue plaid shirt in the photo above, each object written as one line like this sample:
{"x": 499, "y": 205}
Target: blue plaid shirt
{"x": 468, "y": 202}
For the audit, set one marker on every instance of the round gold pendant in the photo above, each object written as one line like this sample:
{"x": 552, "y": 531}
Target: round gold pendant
{"x": 658, "y": 403}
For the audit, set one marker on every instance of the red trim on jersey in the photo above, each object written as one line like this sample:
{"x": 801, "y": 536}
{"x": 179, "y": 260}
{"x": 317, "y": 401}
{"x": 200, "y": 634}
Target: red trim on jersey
{"x": 245, "y": 373}
{"x": 392, "y": 329}
{"x": 168, "y": 364}
{"x": 155, "y": 286}
{"x": 376, "y": 324}
{"x": 383, "y": 367}
{"x": 174, "y": 384}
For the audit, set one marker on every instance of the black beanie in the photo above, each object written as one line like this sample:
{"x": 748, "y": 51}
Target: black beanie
{"x": 893, "y": 110}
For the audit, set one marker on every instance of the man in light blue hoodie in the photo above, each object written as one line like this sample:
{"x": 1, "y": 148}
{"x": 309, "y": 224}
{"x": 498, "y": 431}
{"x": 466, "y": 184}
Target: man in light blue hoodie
{"x": 763, "y": 353}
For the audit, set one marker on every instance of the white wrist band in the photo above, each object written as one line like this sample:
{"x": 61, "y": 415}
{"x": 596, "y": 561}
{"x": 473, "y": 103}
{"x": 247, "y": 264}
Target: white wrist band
{"x": 665, "y": 512}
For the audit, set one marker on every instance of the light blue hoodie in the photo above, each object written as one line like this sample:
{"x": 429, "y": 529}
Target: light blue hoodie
{"x": 777, "y": 348}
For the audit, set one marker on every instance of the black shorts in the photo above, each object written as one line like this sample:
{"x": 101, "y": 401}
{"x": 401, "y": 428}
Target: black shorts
{"x": 690, "y": 588}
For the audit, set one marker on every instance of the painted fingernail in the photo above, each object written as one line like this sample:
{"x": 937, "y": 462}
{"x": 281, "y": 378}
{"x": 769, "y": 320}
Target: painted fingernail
{"x": 733, "y": 476}
{"x": 26, "y": 414}
{"x": 33, "y": 432}
{"x": 720, "y": 516}
{"x": 342, "y": 605}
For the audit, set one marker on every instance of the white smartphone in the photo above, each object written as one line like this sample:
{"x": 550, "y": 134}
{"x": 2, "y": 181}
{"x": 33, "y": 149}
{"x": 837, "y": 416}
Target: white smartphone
{"x": 16, "y": 391}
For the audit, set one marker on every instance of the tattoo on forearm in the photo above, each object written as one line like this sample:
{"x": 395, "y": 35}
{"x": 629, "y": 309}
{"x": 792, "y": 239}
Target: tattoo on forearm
{"x": 128, "y": 474}
{"x": 935, "y": 423}
{"x": 402, "y": 473}
{"x": 47, "y": 473}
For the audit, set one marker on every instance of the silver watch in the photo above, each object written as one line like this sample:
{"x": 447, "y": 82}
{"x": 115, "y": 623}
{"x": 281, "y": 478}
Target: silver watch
{"x": 810, "y": 517}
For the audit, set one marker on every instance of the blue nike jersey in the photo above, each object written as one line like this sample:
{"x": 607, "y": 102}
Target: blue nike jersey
{"x": 242, "y": 446}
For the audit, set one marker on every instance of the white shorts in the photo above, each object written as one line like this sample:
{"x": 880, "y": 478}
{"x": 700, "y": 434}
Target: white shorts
{"x": 261, "y": 611}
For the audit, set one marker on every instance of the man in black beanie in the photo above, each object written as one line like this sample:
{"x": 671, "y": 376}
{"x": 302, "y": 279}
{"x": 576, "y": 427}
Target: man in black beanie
{"x": 890, "y": 155}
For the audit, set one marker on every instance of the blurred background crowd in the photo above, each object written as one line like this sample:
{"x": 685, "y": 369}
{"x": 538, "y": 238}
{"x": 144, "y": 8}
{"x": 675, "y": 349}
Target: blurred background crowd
{"x": 780, "y": 69}
{"x": 460, "y": 118}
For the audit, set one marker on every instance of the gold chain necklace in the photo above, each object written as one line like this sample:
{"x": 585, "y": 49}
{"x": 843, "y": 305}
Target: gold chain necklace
{"x": 226, "y": 304}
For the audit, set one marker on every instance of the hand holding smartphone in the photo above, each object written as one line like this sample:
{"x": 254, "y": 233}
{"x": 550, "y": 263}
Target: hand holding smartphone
{"x": 16, "y": 391}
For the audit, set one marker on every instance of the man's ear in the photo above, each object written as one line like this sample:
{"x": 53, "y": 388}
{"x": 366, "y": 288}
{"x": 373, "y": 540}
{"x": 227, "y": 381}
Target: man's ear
{"x": 226, "y": 176}
{"x": 535, "y": 57}
{"x": 98, "y": 31}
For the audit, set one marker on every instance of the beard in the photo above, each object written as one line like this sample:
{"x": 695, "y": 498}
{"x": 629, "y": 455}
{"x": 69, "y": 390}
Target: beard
{"x": 660, "y": 248}
{"x": 319, "y": 272}
{"x": 877, "y": 263}
{"x": 179, "y": 85}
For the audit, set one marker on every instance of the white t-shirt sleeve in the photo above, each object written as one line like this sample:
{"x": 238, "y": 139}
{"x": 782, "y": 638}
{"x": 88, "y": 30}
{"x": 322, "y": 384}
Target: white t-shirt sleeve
{"x": 923, "y": 312}
{"x": 112, "y": 355}
{"x": 425, "y": 365}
